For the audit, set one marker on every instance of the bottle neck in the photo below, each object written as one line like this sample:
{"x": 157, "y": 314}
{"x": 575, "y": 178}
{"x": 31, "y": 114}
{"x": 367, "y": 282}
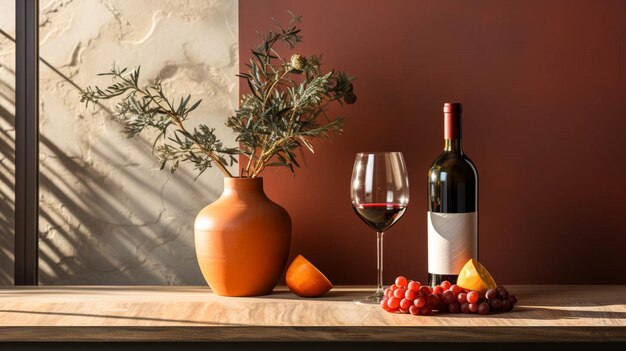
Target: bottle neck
{"x": 453, "y": 145}
{"x": 452, "y": 129}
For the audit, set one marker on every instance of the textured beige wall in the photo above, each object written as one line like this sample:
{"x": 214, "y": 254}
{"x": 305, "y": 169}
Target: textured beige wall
{"x": 7, "y": 140}
{"x": 108, "y": 214}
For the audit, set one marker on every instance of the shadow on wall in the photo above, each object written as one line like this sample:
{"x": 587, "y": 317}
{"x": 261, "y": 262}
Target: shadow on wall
{"x": 7, "y": 180}
{"x": 101, "y": 245}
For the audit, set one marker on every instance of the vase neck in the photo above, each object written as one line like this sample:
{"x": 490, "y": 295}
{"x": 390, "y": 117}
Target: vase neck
{"x": 243, "y": 186}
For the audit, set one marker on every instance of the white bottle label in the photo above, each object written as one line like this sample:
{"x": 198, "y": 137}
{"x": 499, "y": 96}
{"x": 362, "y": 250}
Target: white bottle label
{"x": 452, "y": 241}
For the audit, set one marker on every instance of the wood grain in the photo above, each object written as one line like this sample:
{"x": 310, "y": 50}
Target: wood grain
{"x": 86, "y": 313}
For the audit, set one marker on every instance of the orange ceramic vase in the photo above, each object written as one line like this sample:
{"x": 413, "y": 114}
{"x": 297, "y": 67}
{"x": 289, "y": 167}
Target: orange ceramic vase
{"x": 242, "y": 240}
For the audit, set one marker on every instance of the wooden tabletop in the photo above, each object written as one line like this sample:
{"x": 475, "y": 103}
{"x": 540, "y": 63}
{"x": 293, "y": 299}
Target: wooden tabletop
{"x": 140, "y": 313}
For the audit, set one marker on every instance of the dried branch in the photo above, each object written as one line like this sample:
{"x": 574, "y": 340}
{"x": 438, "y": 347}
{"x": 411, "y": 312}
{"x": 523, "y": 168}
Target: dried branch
{"x": 286, "y": 108}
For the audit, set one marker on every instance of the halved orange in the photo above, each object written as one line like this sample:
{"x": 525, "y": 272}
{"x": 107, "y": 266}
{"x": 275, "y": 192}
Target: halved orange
{"x": 474, "y": 276}
{"x": 305, "y": 280}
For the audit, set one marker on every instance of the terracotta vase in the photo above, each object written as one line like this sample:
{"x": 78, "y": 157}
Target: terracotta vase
{"x": 242, "y": 240}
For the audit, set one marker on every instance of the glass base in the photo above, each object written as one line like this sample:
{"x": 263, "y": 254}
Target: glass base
{"x": 372, "y": 299}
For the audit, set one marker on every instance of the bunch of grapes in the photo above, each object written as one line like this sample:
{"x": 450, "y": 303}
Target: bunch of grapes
{"x": 411, "y": 297}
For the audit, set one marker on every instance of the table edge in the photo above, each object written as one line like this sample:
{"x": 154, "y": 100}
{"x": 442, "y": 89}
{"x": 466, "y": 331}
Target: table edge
{"x": 314, "y": 334}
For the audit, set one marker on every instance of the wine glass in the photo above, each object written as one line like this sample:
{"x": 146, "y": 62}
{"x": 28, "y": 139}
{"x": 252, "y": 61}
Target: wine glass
{"x": 380, "y": 196}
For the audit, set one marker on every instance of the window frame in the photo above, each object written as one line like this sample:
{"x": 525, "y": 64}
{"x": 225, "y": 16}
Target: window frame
{"x": 26, "y": 251}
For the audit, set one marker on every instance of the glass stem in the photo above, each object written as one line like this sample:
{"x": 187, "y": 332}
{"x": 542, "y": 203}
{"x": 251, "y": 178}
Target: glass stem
{"x": 379, "y": 262}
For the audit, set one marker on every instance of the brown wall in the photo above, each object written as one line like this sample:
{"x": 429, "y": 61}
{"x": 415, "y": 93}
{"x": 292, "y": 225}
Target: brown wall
{"x": 543, "y": 85}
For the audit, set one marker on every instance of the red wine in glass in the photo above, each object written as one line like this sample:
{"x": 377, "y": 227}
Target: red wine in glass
{"x": 379, "y": 217}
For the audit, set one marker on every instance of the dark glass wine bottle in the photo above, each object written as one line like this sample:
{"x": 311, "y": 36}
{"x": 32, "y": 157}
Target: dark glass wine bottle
{"x": 452, "y": 205}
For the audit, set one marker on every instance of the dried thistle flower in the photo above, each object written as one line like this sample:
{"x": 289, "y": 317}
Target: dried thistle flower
{"x": 298, "y": 62}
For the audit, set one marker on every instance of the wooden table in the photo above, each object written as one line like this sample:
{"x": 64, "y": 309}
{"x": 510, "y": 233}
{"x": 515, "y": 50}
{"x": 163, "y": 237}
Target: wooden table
{"x": 89, "y": 313}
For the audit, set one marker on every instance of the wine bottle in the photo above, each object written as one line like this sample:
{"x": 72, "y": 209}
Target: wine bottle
{"x": 452, "y": 205}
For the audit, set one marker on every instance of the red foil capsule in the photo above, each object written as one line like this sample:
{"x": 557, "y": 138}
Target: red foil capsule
{"x": 452, "y": 120}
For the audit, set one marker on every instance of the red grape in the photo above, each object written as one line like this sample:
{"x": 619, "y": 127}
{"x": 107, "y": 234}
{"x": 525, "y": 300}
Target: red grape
{"x": 393, "y": 287}
{"x": 495, "y": 304}
{"x": 410, "y": 294}
{"x": 472, "y": 297}
{"x": 437, "y": 290}
{"x": 461, "y": 298}
{"x": 506, "y": 306}
{"x": 445, "y": 285}
{"x": 424, "y": 311}
{"x": 419, "y": 302}
{"x": 388, "y": 292}
{"x": 513, "y": 299}
{"x": 415, "y": 286}
{"x": 393, "y": 303}
{"x": 454, "y": 307}
{"x": 433, "y": 301}
{"x": 472, "y": 307}
{"x": 414, "y": 310}
{"x": 383, "y": 304}
{"x": 398, "y": 293}
{"x": 465, "y": 307}
{"x": 425, "y": 290}
{"x": 405, "y": 303}
{"x": 491, "y": 294}
{"x": 456, "y": 289}
{"x": 483, "y": 308}
{"x": 503, "y": 294}
{"x": 448, "y": 297}
{"x": 401, "y": 282}
{"x": 403, "y": 311}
